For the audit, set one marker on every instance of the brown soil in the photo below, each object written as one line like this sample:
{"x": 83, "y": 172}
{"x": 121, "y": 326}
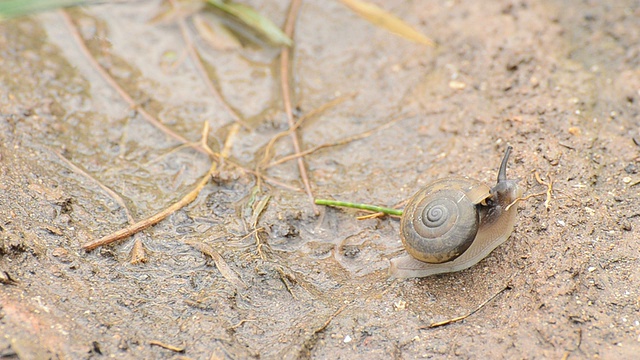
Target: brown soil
{"x": 557, "y": 80}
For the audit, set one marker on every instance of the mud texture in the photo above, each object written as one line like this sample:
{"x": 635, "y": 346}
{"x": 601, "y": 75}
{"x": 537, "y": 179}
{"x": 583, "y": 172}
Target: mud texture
{"x": 557, "y": 80}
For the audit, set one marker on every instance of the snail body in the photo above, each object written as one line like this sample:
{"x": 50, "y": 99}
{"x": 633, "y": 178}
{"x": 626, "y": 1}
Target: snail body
{"x": 453, "y": 223}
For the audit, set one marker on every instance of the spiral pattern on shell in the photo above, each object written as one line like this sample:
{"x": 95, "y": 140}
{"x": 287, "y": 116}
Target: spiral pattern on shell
{"x": 437, "y": 213}
{"x": 441, "y": 220}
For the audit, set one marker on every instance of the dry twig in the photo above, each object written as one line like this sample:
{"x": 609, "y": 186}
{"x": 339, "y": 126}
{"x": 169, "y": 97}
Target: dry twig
{"x": 460, "y": 318}
{"x": 267, "y": 150}
{"x": 143, "y": 224}
{"x": 138, "y": 252}
{"x": 286, "y": 98}
{"x": 113, "y": 83}
{"x": 173, "y": 348}
{"x": 337, "y": 143}
{"x": 228, "y": 143}
{"x": 286, "y": 278}
{"x": 203, "y": 72}
{"x": 333, "y": 316}
{"x": 6, "y": 279}
{"x": 240, "y": 323}
{"x": 371, "y": 216}
{"x": 547, "y": 192}
{"x": 549, "y": 188}
{"x": 106, "y": 189}
{"x": 308, "y": 345}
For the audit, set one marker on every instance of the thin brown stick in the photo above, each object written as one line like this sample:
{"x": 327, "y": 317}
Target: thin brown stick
{"x": 286, "y": 98}
{"x": 376, "y": 215}
{"x": 259, "y": 245}
{"x": 6, "y": 279}
{"x": 202, "y": 143}
{"x": 258, "y": 175}
{"x": 310, "y": 114}
{"x": 547, "y": 192}
{"x": 112, "y": 82}
{"x": 138, "y": 252}
{"x": 143, "y": 224}
{"x": 330, "y": 319}
{"x": 549, "y": 187}
{"x": 111, "y": 193}
{"x": 204, "y": 135}
{"x": 223, "y": 158}
{"x": 370, "y": 216}
{"x": 325, "y": 107}
{"x": 285, "y": 278}
{"x": 460, "y": 318}
{"x": 228, "y": 143}
{"x": 193, "y": 53}
{"x": 240, "y": 323}
{"x": 179, "y": 349}
{"x": 337, "y": 143}
{"x": 312, "y": 338}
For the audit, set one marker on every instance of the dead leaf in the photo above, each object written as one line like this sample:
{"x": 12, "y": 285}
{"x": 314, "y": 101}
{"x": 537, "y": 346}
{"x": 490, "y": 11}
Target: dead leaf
{"x": 215, "y": 33}
{"x": 258, "y": 208}
{"x": 386, "y": 20}
{"x": 221, "y": 264}
{"x": 182, "y": 9}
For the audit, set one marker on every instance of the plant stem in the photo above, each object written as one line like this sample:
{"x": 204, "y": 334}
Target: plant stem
{"x": 374, "y": 208}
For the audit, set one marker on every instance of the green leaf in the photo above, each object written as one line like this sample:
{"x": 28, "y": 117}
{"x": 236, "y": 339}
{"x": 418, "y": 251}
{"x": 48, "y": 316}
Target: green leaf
{"x": 253, "y": 19}
{"x": 14, "y": 8}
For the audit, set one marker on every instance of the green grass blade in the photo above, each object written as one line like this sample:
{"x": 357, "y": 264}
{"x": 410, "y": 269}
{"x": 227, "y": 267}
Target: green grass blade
{"x": 374, "y": 208}
{"x": 253, "y": 19}
{"x": 15, "y": 8}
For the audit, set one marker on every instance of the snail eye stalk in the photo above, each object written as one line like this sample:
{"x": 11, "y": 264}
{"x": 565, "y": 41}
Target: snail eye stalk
{"x": 502, "y": 174}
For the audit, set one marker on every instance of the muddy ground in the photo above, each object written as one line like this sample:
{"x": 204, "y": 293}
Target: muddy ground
{"x": 557, "y": 80}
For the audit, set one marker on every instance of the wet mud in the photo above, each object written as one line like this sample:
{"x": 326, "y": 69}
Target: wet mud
{"x": 248, "y": 270}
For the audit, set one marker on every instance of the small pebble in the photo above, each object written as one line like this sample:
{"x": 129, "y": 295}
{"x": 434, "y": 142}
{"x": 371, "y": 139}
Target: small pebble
{"x": 457, "y": 85}
{"x": 631, "y": 169}
{"x": 626, "y": 179}
{"x": 591, "y": 269}
{"x": 400, "y": 305}
{"x": 347, "y": 339}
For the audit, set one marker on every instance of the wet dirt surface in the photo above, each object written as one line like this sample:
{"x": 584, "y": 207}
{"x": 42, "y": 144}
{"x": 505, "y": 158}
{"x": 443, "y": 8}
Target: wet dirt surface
{"x": 557, "y": 80}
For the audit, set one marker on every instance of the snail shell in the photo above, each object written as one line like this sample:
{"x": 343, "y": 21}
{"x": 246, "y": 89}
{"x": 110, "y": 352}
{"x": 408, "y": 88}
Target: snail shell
{"x": 453, "y": 223}
{"x": 442, "y": 219}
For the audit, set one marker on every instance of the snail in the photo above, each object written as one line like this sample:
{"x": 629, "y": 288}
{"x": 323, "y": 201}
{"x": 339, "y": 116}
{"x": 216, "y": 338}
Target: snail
{"x": 453, "y": 223}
